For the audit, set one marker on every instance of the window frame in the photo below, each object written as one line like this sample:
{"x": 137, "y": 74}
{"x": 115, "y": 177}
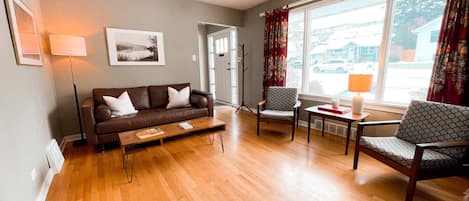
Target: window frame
{"x": 378, "y": 103}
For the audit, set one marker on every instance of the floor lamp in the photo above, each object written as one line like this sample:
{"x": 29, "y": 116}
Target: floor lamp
{"x": 70, "y": 46}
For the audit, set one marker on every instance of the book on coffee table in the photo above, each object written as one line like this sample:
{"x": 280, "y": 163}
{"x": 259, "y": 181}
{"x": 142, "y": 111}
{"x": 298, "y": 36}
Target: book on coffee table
{"x": 149, "y": 133}
{"x": 337, "y": 110}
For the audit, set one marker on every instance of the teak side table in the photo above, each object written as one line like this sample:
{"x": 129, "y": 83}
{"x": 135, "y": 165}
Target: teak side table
{"x": 348, "y": 118}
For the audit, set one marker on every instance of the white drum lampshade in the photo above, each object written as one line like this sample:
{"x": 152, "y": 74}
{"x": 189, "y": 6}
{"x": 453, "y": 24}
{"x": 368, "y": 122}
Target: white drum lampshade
{"x": 66, "y": 45}
{"x": 359, "y": 83}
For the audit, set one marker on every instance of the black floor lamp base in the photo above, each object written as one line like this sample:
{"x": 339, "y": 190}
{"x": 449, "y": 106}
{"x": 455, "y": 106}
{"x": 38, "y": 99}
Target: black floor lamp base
{"x": 80, "y": 142}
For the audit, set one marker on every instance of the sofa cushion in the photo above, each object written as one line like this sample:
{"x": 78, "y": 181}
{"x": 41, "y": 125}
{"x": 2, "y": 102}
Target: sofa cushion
{"x": 147, "y": 118}
{"x": 120, "y": 106}
{"x": 178, "y": 98}
{"x": 159, "y": 94}
{"x": 402, "y": 152}
{"x": 138, "y": 95}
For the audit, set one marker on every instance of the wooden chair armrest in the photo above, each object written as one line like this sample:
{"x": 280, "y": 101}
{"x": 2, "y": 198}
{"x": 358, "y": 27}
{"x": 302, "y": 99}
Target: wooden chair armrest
{"x": 379, "y": 123}
{"x": 260, "y": 106}
{"x": 420, "y": 148}
{"x": 297, "y": 104}
{"x": 361, "y": 125}
{"x": 440, "y": 145}
{"x": 261, "y": 103}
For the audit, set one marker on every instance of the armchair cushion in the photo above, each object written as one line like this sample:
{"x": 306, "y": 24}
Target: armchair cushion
{"x": 435, "y": 122}
{"x": 402, "y": 152}
{"x": 275, "y": 114}
{"x": 281, "y": 98}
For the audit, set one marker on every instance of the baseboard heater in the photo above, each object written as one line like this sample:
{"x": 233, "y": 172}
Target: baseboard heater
{"x": 55, "y": 157}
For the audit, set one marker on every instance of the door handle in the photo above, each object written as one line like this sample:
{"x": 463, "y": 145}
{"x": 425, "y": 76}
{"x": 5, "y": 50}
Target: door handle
{"x": 228, "y": 69}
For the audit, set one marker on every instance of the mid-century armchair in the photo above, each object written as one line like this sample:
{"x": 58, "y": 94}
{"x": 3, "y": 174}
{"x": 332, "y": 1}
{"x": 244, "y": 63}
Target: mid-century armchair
{"x": 281, "y": 104}
{"x": 432, "y": 141}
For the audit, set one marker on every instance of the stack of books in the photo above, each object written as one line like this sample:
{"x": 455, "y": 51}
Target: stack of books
{"x": 149, "y": 133}
{"x": 337, "y": 110}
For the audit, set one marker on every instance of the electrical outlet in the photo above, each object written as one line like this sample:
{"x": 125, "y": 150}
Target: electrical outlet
{"x": 33, "y": 174}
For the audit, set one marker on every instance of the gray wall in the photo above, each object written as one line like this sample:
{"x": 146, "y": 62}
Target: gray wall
{"x": 27, "y": 117}
{"x": 177, "y": 19}
{"x": 252, "y": 34}
{"x": 214, "y": 28}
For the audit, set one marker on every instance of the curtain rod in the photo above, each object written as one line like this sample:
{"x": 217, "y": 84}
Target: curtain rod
{"x": 294, "y": 5}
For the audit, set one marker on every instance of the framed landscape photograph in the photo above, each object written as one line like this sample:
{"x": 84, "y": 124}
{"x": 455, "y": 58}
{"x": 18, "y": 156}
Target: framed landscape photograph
{"x": 133, "y": 47}
{"x": 26, "y": 38}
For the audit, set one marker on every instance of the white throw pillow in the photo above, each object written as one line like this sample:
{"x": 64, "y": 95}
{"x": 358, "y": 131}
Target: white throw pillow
{"x": 120, "y": 106}
{"x": 178, "y": 98}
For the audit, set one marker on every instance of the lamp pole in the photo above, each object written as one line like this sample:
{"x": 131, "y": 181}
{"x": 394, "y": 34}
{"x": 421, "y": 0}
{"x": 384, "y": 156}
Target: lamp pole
{"x": 82, "y": 140}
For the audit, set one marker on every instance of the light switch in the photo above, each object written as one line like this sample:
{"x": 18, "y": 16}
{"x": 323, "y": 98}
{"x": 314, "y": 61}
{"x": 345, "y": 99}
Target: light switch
{"x": 194, "y": 58}
{"x": 33, "y": 174}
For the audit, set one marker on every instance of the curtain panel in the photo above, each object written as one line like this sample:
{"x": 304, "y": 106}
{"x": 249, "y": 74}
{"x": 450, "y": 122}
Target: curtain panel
{"x": 275, "y": 48}
{"x": 449, "y": 79}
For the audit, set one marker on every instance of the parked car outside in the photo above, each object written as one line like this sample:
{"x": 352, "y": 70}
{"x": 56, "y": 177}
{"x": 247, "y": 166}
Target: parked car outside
{"x": 336, "y": 65}
{"x": 295, "y": 62}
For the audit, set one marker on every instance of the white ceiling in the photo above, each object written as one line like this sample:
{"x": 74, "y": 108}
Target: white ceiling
{"x": 236, "y": 4}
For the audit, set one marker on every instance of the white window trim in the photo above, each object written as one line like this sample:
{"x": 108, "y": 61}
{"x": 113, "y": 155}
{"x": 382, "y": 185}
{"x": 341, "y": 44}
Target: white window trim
{"x": 378, "y": 104}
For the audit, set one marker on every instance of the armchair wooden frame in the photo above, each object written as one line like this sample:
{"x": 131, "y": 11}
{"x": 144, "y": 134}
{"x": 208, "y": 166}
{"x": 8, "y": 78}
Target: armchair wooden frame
{"x": 414, "y": 172}
{"x": 294, "y": 120}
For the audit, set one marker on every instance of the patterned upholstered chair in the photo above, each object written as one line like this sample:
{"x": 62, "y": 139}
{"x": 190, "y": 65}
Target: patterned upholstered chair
{"x": 432, "y": 141}
{"x": 281, "y": 105}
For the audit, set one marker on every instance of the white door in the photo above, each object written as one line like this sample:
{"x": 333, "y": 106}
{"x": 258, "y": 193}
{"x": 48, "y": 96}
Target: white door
{"x": 222, "y": 58}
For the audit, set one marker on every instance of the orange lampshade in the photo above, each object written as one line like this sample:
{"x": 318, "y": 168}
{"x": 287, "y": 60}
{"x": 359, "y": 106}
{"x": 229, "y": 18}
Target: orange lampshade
{"x": 360, "y": 82}
{"x": 66, "y": 45}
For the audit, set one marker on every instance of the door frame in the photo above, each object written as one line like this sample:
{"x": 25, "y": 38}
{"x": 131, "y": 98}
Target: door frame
{"x": 234, "y": 61}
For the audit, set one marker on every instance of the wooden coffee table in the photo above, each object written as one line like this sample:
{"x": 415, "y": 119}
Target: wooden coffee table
{"x": 129, "y": 139}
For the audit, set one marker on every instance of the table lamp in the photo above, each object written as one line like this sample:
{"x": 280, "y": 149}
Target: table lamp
{"x": 70, "y": 46}
{"x": 359, "y": 83}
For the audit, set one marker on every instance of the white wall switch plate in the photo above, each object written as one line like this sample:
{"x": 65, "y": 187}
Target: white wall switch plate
{"x": 33, "y": 174}
{"x": 194, "y": 58}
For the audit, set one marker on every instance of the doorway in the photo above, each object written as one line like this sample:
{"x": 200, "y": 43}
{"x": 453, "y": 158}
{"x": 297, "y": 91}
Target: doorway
{"x": 223, "y": 65}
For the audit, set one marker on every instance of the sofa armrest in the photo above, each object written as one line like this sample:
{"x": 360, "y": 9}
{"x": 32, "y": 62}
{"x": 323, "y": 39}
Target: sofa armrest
{"x": 209, "y": 97}
{"x": 87, "y": 110}
{"x": 199, "y": 100}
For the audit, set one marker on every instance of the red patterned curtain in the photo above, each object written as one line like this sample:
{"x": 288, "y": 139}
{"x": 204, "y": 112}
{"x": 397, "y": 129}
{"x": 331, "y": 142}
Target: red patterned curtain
{"x": 275, "y": 48}
{"x": 451, "y": 70}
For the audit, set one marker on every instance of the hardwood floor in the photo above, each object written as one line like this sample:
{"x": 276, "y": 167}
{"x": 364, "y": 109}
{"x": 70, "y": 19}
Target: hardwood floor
{"x": 268, "y": 167}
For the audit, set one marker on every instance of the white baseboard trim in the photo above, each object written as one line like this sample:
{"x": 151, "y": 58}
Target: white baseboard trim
{"x": 69, "y": 138}
{"x": 42, "y": 195}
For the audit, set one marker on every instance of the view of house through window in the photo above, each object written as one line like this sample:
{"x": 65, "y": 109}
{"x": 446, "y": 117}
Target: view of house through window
{"x": 350, "y": 36}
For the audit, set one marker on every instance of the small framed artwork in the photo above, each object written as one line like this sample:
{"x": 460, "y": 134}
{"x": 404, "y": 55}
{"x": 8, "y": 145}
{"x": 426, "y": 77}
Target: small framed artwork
{"x": 26, "y": 38}
{"x": 133, "y": 47}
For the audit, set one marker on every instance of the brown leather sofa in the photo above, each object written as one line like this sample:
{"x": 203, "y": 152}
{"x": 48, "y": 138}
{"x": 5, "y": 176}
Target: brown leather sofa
{"x": 151, "y": 104}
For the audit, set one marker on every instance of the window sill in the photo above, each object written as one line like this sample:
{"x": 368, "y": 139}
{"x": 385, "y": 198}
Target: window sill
{"x": 391, "y": 108}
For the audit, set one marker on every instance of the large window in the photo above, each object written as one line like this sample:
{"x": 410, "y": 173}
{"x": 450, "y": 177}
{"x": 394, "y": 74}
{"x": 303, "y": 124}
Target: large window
{"x": 395, "y": 40}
